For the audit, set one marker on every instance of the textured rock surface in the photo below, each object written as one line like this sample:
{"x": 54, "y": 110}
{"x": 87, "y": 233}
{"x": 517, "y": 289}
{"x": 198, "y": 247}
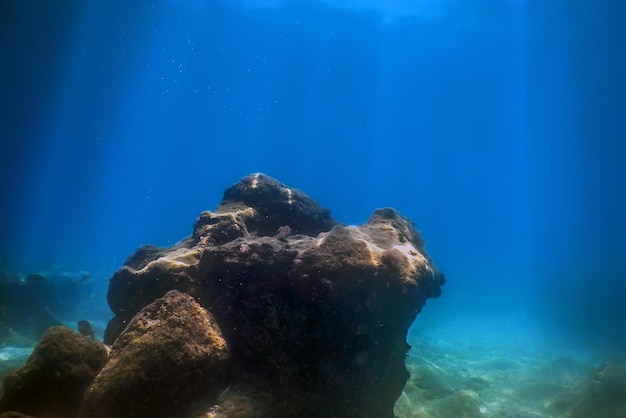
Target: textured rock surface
{"x": 52, "y": 382}
{"x": 313, "y": 309}
{"x": 170, "y": 354}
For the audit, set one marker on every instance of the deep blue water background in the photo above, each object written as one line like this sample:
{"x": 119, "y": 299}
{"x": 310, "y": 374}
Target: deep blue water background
{"x": 497, "y": 126}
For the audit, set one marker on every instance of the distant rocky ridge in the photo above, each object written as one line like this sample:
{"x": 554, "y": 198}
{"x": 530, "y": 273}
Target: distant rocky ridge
{"x": 269, "y": 309}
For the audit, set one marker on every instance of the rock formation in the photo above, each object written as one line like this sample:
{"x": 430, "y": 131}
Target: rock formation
{"x": 314, "y": 309}
{"x": 278, "y": 311}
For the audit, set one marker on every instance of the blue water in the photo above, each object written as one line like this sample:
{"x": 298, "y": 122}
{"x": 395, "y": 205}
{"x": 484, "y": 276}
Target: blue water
{"x": 497, "y": 126}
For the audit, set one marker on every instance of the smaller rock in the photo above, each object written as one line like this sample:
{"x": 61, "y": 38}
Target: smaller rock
{"x": 170, "y": 355}
{"x": 52, "y": 382}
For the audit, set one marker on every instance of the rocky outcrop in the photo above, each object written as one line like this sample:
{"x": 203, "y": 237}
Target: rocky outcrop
{"x": 171, "y": 353}
{"x": 52, "y": 382}
{"x": 269, "y": 309}
{"x": 314, "y": 313}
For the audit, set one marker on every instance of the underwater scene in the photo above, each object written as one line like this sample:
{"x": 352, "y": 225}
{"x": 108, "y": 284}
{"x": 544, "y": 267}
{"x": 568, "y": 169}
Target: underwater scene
{"x": 313, "y": 208}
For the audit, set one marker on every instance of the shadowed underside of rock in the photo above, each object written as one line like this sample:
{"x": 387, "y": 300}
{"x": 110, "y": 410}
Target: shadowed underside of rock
{"x": 316, "y": 309}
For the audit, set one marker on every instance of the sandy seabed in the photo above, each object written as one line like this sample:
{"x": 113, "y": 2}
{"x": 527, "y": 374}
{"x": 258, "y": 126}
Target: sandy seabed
{"x": 487, "y": 367}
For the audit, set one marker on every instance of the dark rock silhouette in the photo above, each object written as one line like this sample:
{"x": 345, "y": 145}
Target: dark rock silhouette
{"x": 31, "y": 304}
{"x": 24, "y": 313}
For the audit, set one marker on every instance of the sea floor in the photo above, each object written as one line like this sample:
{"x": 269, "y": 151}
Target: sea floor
{"x": 488, "y": 367}
{"x": 478, "y": 367}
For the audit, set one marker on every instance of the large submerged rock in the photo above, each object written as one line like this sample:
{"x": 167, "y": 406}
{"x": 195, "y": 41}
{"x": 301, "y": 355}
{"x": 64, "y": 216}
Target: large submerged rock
{"x": 314, "y": 313}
